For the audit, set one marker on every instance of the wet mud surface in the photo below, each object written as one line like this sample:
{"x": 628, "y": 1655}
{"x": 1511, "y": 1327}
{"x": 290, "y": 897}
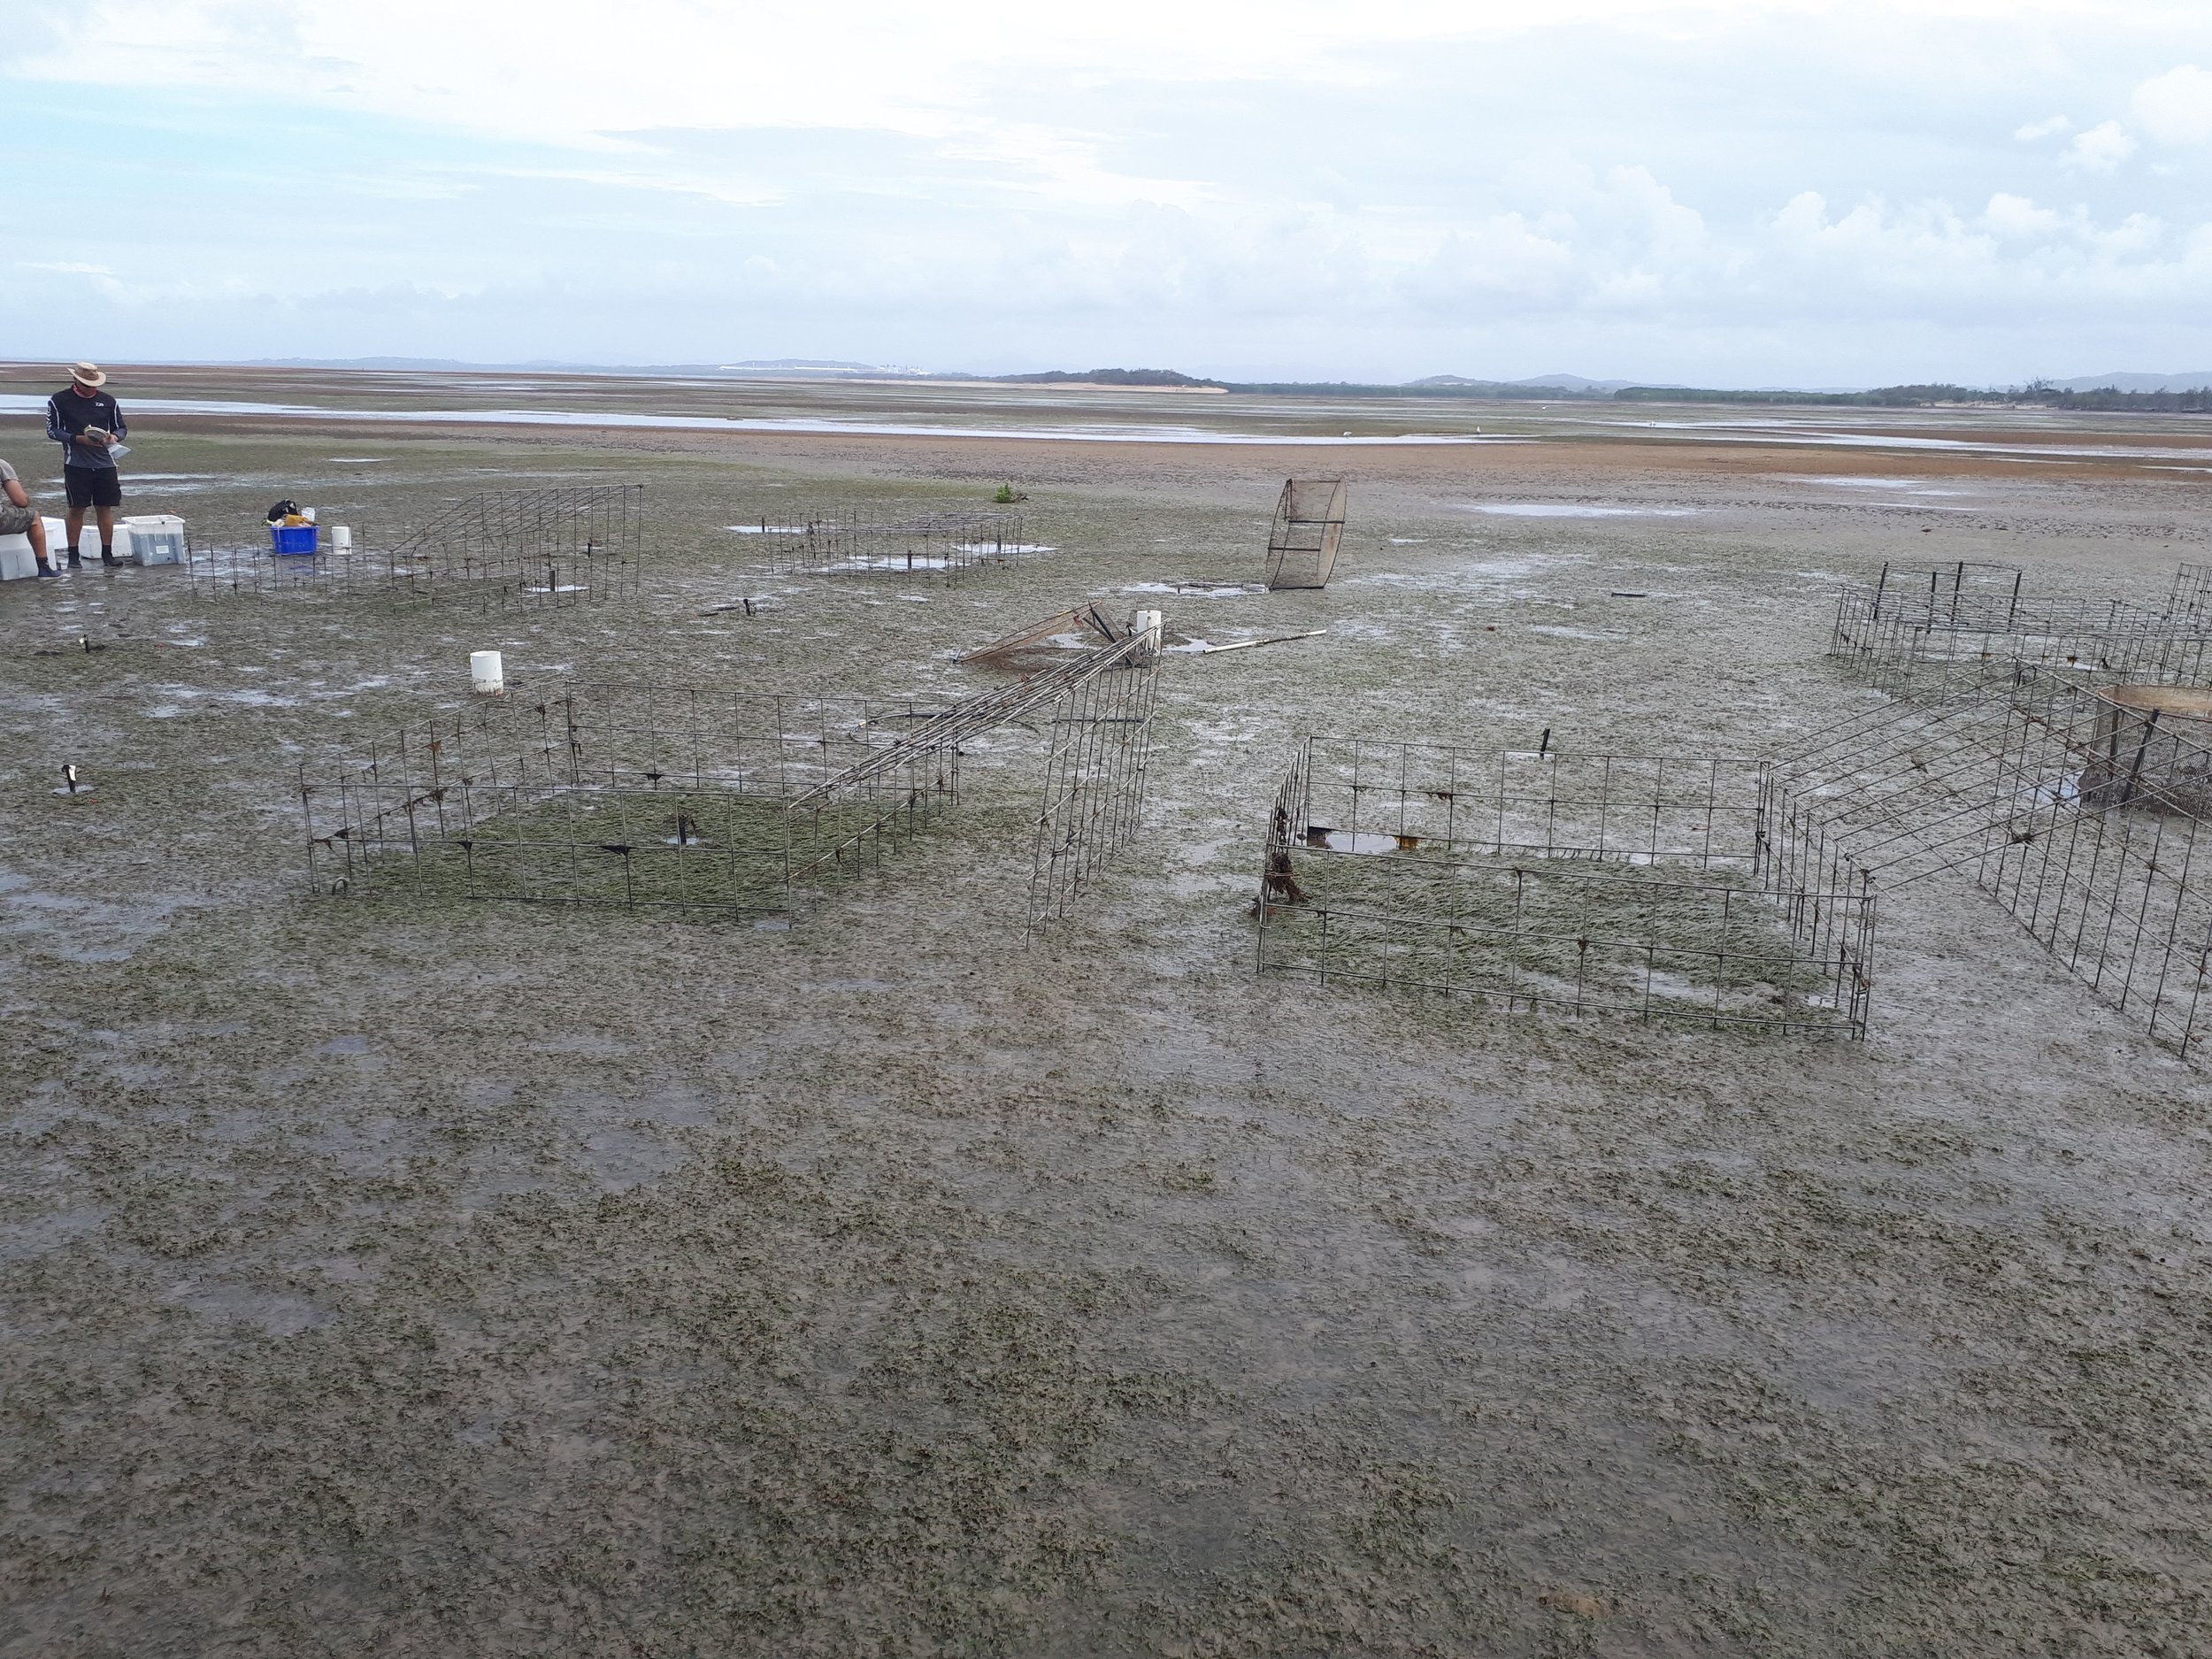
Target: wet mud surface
{"x": 449, "y": 1277}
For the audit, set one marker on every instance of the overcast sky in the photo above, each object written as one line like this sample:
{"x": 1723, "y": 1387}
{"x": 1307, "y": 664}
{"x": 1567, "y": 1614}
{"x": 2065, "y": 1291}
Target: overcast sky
{"x": 1748, "y": 193}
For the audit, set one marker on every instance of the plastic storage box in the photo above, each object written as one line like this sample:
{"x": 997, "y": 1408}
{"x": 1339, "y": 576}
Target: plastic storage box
{"x": 156, "y": 539}
{"x": 16, "y": 558}
{"x": 291, "y": 539}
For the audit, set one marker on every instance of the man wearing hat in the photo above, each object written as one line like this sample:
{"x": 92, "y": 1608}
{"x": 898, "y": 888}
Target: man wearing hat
{"x": 85, "y": 421}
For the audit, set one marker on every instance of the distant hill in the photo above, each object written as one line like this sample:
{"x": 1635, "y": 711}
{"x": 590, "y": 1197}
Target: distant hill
{"x": 1572, "y": 383}
{"x": 1110, "y": 377}
{"x": 2123, "y": 390}
{"x": 2196, "y": 382}
{"x": 823, "y": 369}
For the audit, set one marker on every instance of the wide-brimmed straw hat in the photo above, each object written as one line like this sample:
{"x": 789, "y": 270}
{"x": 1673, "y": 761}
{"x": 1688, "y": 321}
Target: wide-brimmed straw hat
{"x": 88, "y": 375}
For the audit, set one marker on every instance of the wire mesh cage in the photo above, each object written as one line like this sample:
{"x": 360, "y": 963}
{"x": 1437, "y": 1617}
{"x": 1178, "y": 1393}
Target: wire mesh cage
{"x": 628, "y": 795}
{"x": 2192, "y": 592}
{"x": 1641, "y": 885}
{"x": 530, "y": 548}
{"x": 2097, "y": 845}
{"x": 937, "y": 546}
{"x": 711, "y": 801}
{"x": 1916, "y": 621}
{"x": 2079, "y": 806}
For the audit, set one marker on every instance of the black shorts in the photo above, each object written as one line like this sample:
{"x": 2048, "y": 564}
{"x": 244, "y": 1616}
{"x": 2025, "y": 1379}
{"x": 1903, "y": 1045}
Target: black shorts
{"x": 93, "y": 487}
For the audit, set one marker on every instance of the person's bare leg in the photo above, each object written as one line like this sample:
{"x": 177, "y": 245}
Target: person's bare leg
{"x": 74, "y": 520}
{"x": 38, "y": 533}
{"x": 105, "y": 517}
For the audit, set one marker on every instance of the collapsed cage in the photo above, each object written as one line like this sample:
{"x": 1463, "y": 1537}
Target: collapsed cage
{"x": 1096, "y": 757}
{"x": 714, "y": 801}
{"x": 944, "y": 546}
{"x": 1647, "y": 886}
{"x": 2079, "y": 806}
{"x": 1915, "y": 620}
{"x": 538, "y": 547}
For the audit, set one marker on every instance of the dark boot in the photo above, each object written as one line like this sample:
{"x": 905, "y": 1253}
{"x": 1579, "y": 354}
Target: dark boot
{"x": 44, "y": 569}
{"x": 76, "y": 560}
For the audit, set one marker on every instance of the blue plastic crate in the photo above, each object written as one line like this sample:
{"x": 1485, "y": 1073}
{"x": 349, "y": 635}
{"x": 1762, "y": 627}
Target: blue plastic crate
{"x": 293, "y": 539}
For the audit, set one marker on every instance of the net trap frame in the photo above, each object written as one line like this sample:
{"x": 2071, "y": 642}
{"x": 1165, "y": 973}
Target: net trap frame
{"x": 710, "y": 801}
{"x": 572, "y": 544}
{"x": 1308, "y": 529}
{"x": 1637, "y": 886}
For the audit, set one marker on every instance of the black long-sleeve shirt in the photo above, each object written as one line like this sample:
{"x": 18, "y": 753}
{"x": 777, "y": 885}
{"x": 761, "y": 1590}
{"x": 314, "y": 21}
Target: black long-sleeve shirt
{"x": 69, "y": 412}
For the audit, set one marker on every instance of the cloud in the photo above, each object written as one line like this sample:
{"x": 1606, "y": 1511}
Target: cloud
{"x": 2016, "y": 216}
{"x": 2015, "y": 257}
{"x": 2176, "y": 108}
{"x": 67, "y": 267}
{"x": 756, "y": 178}
{"x": 727, "y": 192}
{"x": 2099, "y": 149}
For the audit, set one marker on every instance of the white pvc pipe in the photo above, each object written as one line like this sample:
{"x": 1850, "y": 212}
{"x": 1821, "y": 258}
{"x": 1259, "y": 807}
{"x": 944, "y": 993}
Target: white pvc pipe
{"x": 486, "y": 673}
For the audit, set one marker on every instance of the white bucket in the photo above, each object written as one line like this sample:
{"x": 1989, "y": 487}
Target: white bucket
{"x": 341, "y": 538}
{"x": 1149, "y": 623}
{"x": 485, "y": 672}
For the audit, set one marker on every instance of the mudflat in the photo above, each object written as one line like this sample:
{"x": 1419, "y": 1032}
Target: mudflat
{"x": 399, "y": 1279}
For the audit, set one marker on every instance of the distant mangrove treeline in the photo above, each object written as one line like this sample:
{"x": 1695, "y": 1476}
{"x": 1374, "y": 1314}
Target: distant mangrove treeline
{"x": 2039, "y": 393}
{"x": 1481, "y": 391}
